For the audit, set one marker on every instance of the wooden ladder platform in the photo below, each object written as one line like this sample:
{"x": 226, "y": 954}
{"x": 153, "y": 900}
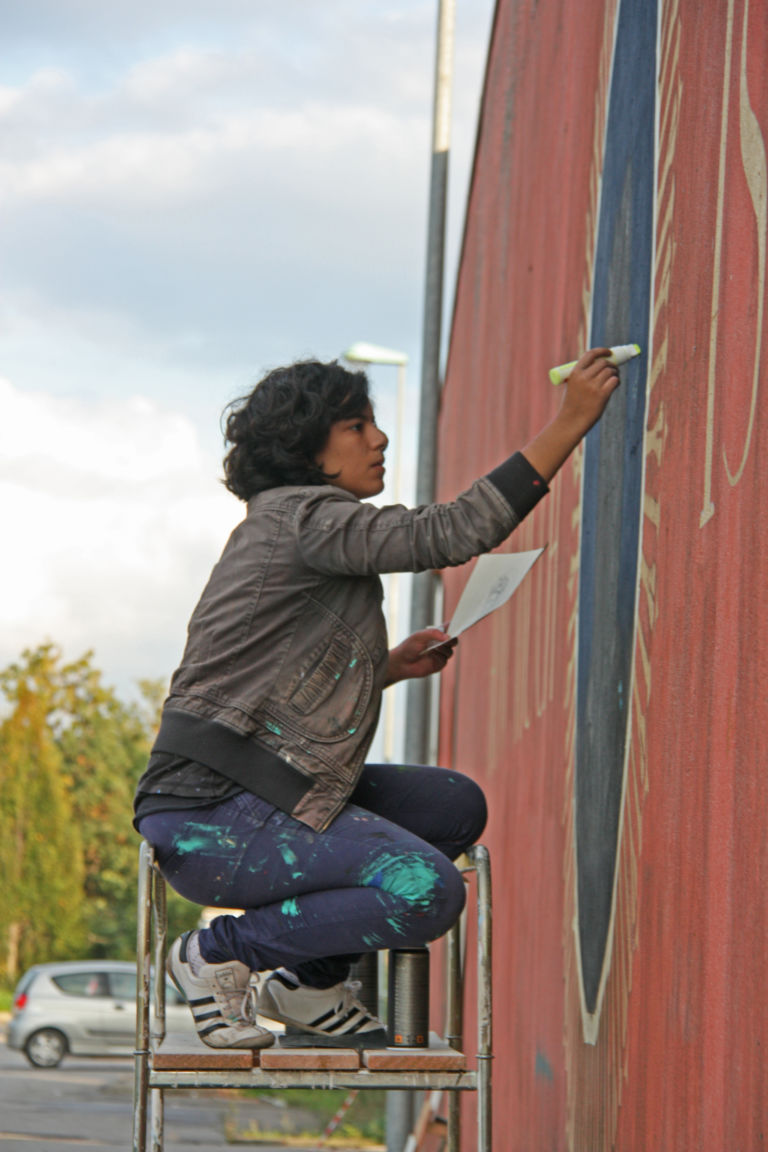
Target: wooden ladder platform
{"x": 180, "y": 1052}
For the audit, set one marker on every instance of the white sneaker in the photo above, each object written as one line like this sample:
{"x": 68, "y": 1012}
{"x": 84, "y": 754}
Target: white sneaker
{"x": 222, "y": 998}
{"x": 320, "y": 1017}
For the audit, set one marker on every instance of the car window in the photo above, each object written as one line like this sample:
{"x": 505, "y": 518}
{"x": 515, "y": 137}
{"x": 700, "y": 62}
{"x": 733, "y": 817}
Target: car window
{"x": 123, "y": 985}
{"x": 25, "y": 981}
{"x": 82, "y": 983}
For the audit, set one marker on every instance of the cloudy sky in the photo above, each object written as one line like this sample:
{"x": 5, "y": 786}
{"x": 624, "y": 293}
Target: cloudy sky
{"x": 192, "y": 192}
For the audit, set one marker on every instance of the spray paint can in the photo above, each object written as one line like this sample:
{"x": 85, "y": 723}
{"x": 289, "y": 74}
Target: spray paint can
{"x": 366, "y": 972}
{"x": 408, "y": 1008}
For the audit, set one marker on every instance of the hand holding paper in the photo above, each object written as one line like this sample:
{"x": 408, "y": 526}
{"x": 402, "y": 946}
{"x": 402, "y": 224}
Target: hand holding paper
{"x": 493, "y": 581}
{"x": 419, "y": 655}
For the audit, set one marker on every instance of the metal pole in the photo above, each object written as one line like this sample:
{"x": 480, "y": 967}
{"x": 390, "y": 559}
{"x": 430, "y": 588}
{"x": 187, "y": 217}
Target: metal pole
{"x": 454, "y": 1023}
{"x": 422, "y": 595}
{"x": 157, "y": 1103}
{"x": 401, "y": 1117}
{"x": 141, "y": 1054}
{"x": 479, "y": 855}
{"x": 400, "y": 1105}
{"x": 364, "y": 353}
{"x": 393, "y": 611}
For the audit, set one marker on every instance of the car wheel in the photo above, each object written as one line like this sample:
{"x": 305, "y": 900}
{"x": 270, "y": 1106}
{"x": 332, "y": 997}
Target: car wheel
{"x": 46, "y": 1048}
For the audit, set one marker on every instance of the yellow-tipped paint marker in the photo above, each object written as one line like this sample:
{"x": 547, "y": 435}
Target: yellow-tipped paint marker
{"x": 619, "y": 355}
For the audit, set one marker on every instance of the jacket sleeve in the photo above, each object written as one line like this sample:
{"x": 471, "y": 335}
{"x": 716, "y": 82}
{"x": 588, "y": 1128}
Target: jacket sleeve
{"x": 338, "y": 534}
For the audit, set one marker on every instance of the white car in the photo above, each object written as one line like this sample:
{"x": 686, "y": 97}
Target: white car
{"x": 84, "y": 1008}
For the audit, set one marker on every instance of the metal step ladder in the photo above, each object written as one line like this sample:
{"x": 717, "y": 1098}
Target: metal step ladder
{"x": 164, "y": 1062}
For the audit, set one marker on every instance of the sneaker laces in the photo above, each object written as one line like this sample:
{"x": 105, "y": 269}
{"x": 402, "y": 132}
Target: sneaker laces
{"x": 247, "y": 1011}
{"x": 239, "y": 1005}
{"x": 351, "y": 1000}
{"x": 351, "y": 989}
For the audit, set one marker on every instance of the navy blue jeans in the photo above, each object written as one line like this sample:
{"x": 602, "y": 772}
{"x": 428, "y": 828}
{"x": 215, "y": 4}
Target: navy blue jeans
{"x": 380, "y": 876}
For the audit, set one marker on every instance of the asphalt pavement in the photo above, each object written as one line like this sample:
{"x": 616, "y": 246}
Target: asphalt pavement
{"x": 88, "y": 1104}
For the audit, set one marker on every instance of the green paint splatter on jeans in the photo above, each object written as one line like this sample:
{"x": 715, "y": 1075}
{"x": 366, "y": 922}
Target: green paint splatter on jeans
{"x": 407, "y": 875}
{"x": 288, "y": 855}
{"x": 205, "y": 838}
{"x": 191, "y": 844}
{"x": 289, "y": 908}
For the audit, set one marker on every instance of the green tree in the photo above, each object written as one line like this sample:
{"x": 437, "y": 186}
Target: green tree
{"x": 104, "y": 746}
{"x": 41, "y": 850}
{"x": 71, "y": 753}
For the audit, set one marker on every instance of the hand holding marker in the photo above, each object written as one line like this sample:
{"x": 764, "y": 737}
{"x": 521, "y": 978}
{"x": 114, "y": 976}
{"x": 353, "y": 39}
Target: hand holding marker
{"x": 619, "y": 355}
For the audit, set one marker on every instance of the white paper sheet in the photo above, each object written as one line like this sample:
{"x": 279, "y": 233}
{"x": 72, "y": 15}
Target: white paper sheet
{"x": 494, "y": 579}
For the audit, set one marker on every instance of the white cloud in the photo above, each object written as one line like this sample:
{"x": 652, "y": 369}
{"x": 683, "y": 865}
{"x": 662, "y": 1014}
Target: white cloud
{"x": 192, "y": 192}
{"x": 223, "y": 212}
{"x": 112, "y": 517}
{"x": 248, "y": 172}
{"x": 228, "y": 155}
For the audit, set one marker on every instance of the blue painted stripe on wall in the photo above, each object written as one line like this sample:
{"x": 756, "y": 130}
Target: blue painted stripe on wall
{"x": 613, "y": 472}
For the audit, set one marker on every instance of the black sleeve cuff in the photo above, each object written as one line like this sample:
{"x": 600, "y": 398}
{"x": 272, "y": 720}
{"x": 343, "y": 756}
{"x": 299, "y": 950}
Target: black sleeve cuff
{"x": 519, "y": 483}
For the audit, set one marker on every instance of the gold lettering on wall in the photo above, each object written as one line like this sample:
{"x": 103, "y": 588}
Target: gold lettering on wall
{"x": 708, "y": 509}
{"x": 753, "y": 159}
{"x": 544, "y": 650}
{"x": 754, "y": 165}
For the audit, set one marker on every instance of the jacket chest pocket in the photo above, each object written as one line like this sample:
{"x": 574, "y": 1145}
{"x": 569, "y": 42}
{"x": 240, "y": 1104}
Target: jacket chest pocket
{"x": 324, "y": 688}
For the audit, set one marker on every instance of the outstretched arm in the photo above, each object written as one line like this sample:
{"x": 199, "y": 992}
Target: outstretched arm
{"x": 587, "y": 391}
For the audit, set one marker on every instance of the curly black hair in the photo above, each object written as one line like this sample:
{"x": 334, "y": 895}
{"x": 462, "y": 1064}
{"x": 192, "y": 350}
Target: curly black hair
{"x": 277, "y": 430}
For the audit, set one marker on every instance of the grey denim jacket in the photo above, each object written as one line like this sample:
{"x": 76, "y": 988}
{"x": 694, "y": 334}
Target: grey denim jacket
{"x": 286, "y": 653}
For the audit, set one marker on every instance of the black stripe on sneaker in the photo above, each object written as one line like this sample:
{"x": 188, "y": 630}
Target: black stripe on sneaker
{"x": 329, "y": 1025}
{"x": 208, "y": 1016}
{"x": 354, "y": 1014}
{"x": 212, "y": 1028}
{"x": 320, "y": 1020}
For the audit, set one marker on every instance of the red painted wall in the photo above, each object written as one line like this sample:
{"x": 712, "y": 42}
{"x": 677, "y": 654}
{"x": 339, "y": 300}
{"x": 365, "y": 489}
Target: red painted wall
{"x": 679, "y": 1059}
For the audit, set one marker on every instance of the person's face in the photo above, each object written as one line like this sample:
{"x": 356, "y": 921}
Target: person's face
{"x": 355, "y": 450}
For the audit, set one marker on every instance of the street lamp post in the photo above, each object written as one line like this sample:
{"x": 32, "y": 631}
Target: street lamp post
{"x": 363, "y": 353}
{"x": 419, "y": 720}
{"x": 401, "y": 1105}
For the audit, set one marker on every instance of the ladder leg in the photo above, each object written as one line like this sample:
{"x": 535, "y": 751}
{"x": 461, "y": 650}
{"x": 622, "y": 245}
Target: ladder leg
{"x": 481, "y": 858}
{"x": 157, "y": 1102}
{"x": 454, "y": 1024}
{"x": 141, "y": 1053}
{"x": 157, "y": 1111}
{"x": 161, "y": 934}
